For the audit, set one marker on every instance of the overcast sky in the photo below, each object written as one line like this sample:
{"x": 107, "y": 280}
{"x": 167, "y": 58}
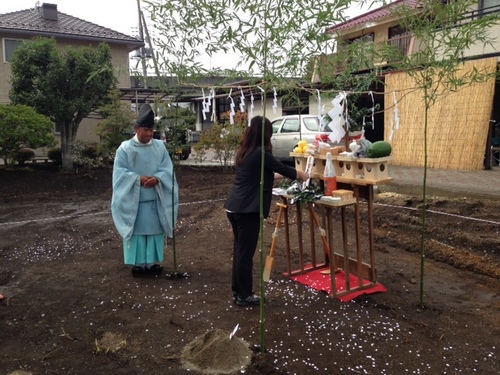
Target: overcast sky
{"x": 118, "y": 15}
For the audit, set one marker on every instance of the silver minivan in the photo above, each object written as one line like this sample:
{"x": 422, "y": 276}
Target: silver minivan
{"x": 287, "y": 133}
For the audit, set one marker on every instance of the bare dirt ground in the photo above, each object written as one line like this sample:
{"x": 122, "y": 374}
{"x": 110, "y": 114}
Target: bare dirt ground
{"x": 71, "y": 307}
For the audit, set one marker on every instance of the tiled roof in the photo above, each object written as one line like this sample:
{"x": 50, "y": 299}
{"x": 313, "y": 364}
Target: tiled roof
{"x": 372, "y": 16}
{"x": 31, "y": 23}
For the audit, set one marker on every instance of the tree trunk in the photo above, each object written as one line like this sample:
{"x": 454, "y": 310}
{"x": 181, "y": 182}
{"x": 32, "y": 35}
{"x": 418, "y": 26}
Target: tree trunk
{"x": 67, "y": 162}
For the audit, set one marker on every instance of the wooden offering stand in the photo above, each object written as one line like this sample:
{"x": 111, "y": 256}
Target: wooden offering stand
{"x": 315, "y": 223}
{"x": 367, "y": 174}
{"x": 353, "y": 187}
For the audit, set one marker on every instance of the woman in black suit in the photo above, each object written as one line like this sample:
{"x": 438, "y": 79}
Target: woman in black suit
{"x": 243, "y": 202}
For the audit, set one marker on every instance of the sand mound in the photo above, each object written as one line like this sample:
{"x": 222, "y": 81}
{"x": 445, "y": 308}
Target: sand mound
{"x": 214, "y": 353}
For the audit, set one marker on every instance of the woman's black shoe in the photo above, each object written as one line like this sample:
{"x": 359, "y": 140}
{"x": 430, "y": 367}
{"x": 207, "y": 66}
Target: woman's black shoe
{"x": 249, "y": 301}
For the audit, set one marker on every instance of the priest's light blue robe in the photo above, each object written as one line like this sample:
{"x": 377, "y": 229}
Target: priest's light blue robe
{"x": 143, "y": 217}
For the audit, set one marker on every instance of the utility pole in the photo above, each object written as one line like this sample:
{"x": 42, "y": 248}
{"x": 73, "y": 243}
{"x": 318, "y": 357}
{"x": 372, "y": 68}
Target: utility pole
{"x": 143, "y": 54}
{"x": 148, "y": 39}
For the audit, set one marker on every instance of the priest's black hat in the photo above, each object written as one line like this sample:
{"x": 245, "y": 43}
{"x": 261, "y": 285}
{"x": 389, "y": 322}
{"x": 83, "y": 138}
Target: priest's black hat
{"x": 146, "y": 118}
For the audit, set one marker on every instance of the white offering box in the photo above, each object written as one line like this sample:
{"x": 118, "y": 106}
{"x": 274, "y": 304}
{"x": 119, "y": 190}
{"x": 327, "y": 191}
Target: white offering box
{"x": 369, "y": 169}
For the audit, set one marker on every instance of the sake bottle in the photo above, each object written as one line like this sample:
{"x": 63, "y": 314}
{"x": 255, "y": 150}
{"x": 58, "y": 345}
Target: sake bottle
{"x": 329, "y": 178}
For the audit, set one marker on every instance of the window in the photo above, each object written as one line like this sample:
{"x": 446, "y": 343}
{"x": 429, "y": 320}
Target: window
{"x": 276, "y": 125}
{"x": 312, "y": 123}
{"x": 290, "y": 126}
{"x": 489, "y": 6}
{"x": 9, "y": 46}
{"x": 397, "y": 31}
{"x": 489, "y": 3}
{"x": 360, "y": 52}
{"x": 400, "y": 39}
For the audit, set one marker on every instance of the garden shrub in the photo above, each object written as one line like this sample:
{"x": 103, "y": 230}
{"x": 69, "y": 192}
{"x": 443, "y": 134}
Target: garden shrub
{"x": 224, "y": 139}
{"x": 55, "y": 155}
{"x": 23, "y": 155}
{"x": 85, "y": 156}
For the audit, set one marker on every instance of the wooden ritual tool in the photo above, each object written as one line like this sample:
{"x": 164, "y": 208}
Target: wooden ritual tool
{"x": 323, "y": 239}
{"x": 270, "y": 258}
{"x": 175, "y": 275}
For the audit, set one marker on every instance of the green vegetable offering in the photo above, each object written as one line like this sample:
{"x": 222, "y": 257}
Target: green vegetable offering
{"x": 379, "y": 149}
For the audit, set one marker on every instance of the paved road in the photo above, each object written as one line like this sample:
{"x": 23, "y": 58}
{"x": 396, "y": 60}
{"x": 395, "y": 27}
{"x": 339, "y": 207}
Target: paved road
{"x": 480, "y": 183}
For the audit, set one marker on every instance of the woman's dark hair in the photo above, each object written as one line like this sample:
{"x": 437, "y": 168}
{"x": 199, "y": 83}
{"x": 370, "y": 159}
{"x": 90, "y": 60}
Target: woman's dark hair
{"x": 252, "y": 138}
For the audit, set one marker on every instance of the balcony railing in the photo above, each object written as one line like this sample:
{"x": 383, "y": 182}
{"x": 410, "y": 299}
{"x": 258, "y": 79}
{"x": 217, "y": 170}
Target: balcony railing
{"x": 337, "y": 63}
{"x": 330, "y": 64}
{"x": 478, "y": 13}
{"x": 401, "y": 44}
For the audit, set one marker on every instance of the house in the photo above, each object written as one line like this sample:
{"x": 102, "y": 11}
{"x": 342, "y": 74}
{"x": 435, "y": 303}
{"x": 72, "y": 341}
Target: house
{"x": 461, "y": 125}
{"x": 47, "y": 21}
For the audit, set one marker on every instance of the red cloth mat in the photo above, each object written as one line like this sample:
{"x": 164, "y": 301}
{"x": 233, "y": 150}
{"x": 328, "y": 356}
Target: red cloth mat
{"x": 316, "y": 280}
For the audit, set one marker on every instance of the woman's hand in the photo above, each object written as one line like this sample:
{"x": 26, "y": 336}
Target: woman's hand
{"x": 302, "y": 176}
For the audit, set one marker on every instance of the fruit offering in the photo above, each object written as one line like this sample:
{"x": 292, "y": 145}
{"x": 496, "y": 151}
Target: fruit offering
{"x": 302, "y": 144}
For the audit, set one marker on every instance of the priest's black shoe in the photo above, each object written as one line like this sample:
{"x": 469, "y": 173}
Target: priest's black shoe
{"x": 155, "y": 269}
{"x": 138, "y": 271}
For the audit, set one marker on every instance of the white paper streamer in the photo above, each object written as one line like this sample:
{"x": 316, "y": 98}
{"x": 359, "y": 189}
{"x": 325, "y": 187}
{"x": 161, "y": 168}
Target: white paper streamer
{"x": 275, "y": 101}
{"x": 373, "y": 111}
{"x": 309, "y": 168}
{"x": 262, "y": 97}
{"x": 323, "y": 119}
{"x": 251, "y": 107}
{"x": 204, "y": 99}
{"x": 391, "y": 133}
{"x": 319, "y": 107}
{"x": 212, "y": 96}
{"x": 242, "y": 101}
{"x": 346, "y": 114}
{"x": 396, "y": 111}
{"x": 204, "y": 109}
{"x": 338, "y": 120}
{"x": 232, "y": 113}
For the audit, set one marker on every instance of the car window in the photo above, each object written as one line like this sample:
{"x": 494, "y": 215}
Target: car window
{"x": 276, "y": 125}
{"x": 326, "y": 126}
{"x": 311, "y": 123}
{"x": 290, "y": 126}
